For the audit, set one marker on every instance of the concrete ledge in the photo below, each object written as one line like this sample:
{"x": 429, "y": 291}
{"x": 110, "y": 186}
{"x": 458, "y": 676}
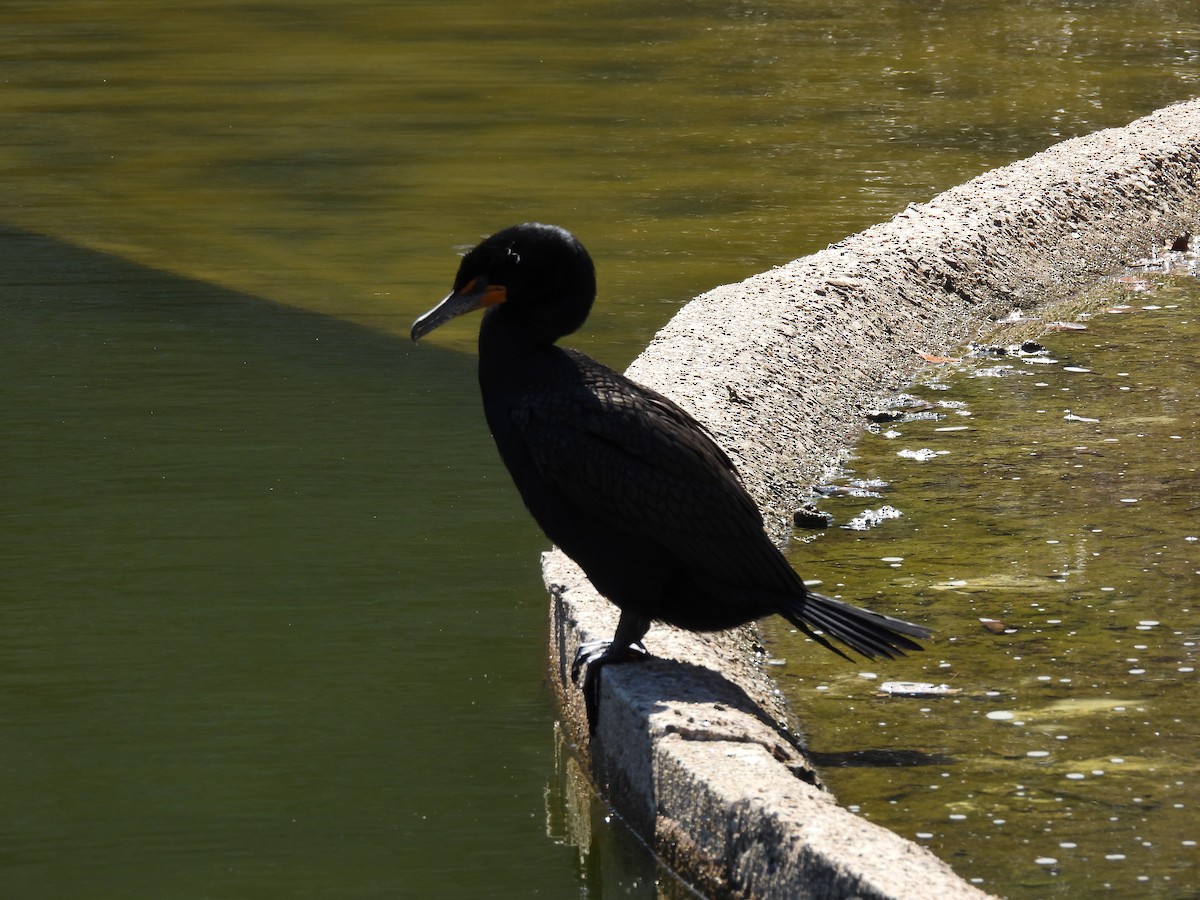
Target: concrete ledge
{"x": 692, "y": 749}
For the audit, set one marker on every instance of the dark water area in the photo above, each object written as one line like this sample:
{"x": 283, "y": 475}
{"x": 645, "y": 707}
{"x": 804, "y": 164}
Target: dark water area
{"x": 1039, "y": 512}
{"x": 232, "y": 662}
{"x": 271, "y": 621}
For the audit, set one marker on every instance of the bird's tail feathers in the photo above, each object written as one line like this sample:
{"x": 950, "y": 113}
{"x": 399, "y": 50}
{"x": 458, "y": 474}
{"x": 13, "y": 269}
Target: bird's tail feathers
{"x": 869, "y": 633}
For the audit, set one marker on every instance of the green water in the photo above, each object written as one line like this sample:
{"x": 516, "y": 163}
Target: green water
{"x": 232, "y": 664}
{"x": 334, "y": 155}
{"x": 1057, "y": 501}
{"x": 270, "y": 615}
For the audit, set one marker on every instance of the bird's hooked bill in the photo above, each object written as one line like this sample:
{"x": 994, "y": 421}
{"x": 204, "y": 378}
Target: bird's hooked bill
{"x": 475, "y": 294}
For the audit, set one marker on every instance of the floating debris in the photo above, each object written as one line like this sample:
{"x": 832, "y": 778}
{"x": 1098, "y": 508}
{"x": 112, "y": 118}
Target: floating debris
{"x": 1066, "y": 326}
{"x": 916, "y": 689}
{"x": 869, "y": 484}
{"x": 927, "y": 415}
{"x": 1025, "y": 348}
{"x": 910, "y": 401}
{"x": 995, "y": 626}
{"x": 869, "y": 518}
{"x": 1071, "y": 417}
{"x": 870, "y": 487}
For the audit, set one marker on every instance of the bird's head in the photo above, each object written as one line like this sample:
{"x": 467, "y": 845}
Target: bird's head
{"x": 537, "y": 276}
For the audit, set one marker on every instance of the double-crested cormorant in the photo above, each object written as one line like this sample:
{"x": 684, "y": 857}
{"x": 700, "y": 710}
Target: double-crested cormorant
{"x": 619, "y": 477}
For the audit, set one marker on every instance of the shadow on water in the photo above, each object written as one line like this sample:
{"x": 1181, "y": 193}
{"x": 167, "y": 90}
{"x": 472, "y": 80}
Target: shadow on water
{"x": 879, "y": 757}
{"x": 264, "y": 598}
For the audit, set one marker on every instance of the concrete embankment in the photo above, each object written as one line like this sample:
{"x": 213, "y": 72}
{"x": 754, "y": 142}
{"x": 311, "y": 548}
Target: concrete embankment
{"x": 690, "y": 748}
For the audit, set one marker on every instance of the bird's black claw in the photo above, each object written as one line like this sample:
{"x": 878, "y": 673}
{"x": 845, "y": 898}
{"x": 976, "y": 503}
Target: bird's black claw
{"x": 587, "y": 654}
{"x": 595, "y": 655}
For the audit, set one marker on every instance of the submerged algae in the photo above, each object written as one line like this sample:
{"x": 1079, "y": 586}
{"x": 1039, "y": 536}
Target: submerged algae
{"x": 1049, "y": 534}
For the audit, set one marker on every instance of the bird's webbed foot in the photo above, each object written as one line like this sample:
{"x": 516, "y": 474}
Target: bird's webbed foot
{"x": 595, "y": 655}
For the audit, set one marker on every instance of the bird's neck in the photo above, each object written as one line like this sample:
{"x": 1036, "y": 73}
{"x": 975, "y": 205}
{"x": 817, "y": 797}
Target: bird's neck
{"x": 507, "y": 339}
{"x": 511, "y": 363}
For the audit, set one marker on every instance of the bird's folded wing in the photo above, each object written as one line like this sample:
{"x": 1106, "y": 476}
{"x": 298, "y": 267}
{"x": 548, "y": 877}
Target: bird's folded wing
{"x": 634, "y": 459}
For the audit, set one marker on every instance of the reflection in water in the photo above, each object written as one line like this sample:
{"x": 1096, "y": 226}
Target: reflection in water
{"x": 577, "y": 818}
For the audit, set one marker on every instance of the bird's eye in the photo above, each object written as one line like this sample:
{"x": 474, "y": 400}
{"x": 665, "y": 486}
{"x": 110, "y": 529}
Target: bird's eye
{"x": 512, "y": 256}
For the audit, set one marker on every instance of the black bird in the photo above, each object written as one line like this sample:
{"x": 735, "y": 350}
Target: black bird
{"x": 619, "y": 477}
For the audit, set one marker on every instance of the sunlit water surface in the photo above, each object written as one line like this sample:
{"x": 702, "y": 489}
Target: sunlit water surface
{"x": 1048, "y": 532}
{"x": 270, "y": 616}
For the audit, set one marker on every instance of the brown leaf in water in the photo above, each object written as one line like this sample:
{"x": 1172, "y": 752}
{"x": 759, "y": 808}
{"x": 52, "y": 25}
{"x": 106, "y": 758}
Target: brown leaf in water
{"x": 995, "y": 626}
